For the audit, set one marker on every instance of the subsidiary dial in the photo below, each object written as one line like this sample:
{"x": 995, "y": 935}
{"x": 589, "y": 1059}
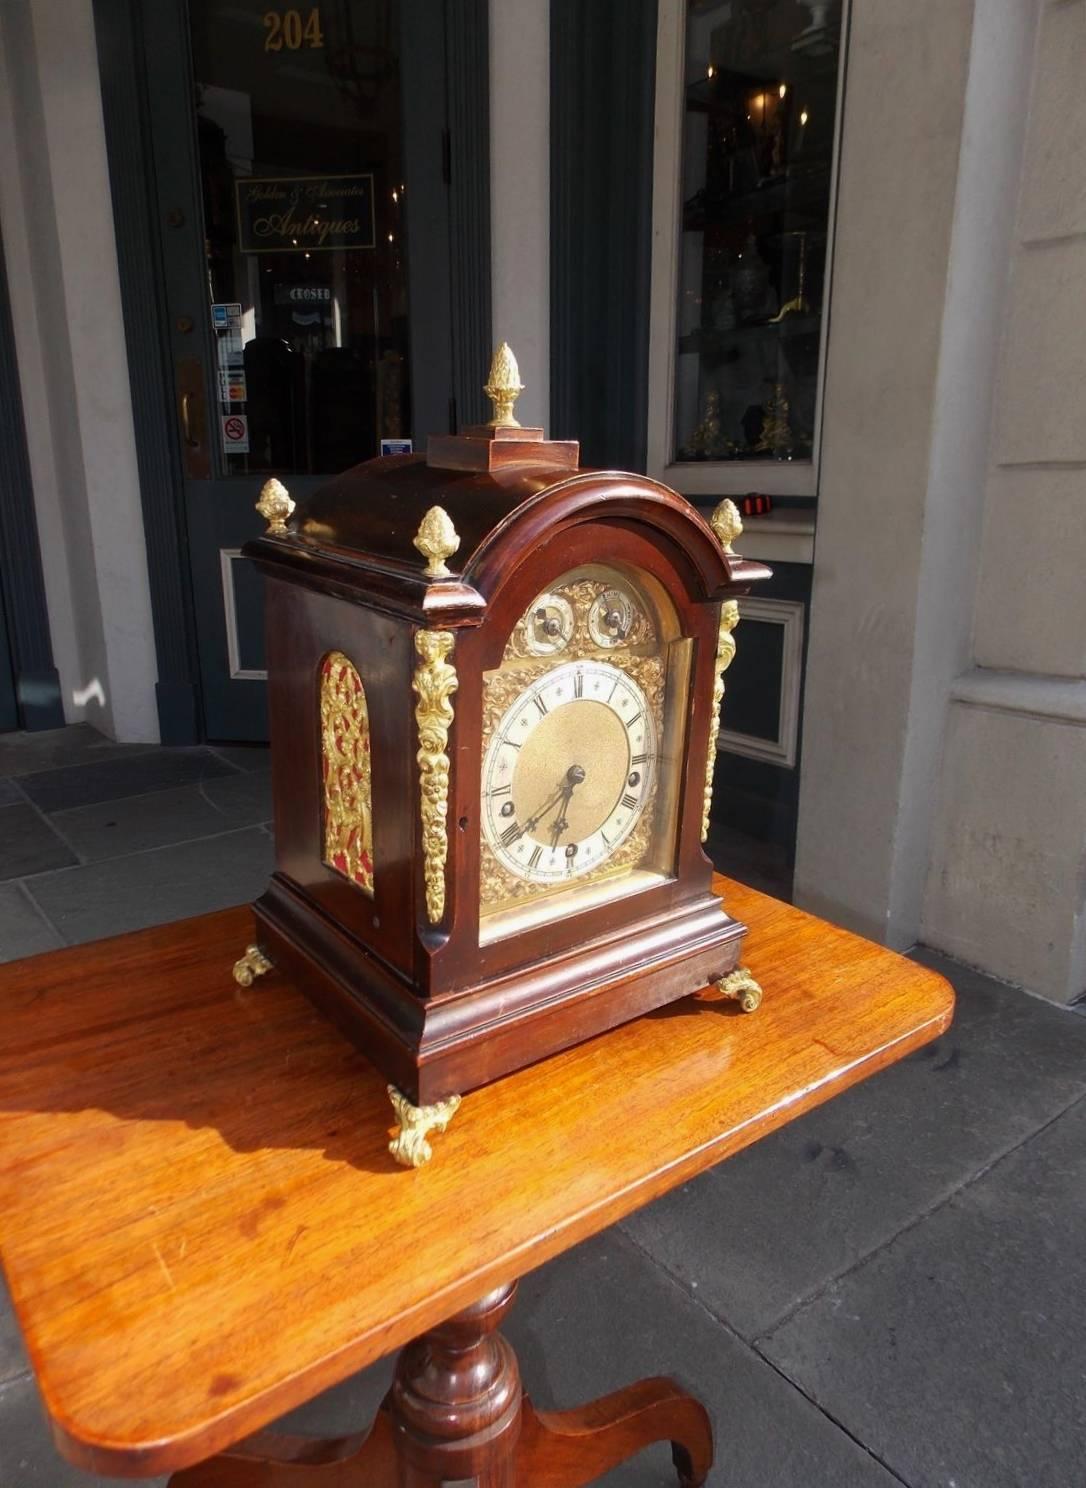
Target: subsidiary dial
{"x": 612, "y": 617}
{"x": 548, "y": 625}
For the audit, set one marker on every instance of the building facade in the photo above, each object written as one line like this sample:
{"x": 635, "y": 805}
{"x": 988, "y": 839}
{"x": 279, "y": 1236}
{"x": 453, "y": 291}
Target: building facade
{"x": 874, "y": 213}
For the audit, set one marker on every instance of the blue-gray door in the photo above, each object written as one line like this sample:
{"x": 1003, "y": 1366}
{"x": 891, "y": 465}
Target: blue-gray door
{"x": 9, "y": 713}
{"x": 301, "y": 182}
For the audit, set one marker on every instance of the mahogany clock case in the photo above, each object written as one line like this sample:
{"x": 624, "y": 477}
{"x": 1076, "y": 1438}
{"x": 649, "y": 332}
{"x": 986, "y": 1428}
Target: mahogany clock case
{"x": 438, "y": 1012}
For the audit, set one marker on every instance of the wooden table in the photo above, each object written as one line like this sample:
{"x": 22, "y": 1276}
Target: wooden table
{"x": 202, "y": 1228}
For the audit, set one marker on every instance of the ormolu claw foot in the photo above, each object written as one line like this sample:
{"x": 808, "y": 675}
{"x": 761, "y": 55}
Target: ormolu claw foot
{"x": 253, "y": 964}
{"x": 410, "y": 1147}
{"x": 741, "y": 986}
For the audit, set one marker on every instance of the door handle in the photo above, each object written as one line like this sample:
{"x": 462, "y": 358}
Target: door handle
{"x": 191, "y": 408}
{"x": 186, "y": 421}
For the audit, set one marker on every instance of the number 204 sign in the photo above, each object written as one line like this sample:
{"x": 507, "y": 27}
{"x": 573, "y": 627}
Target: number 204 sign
{"x": 291, "y": 30}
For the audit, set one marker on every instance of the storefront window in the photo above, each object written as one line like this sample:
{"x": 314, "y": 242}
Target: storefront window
{"x": 760, "y": 103}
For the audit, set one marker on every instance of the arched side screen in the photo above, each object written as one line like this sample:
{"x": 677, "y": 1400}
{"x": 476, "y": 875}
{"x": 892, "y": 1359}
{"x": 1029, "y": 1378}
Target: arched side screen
{"x": 347, "y": 835}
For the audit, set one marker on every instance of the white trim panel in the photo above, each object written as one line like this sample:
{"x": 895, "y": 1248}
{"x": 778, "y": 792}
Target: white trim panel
{"x": 238, "y": 673}
{"x": 782, "y": 750}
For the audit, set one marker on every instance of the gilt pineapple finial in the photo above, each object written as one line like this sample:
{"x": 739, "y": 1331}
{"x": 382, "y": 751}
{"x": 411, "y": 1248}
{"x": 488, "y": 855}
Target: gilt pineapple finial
{"x": 503, "y": 388}
{"x": 727, "y": 524}
{"x": 436, "y": 540}
{"x": 275, "y": 506}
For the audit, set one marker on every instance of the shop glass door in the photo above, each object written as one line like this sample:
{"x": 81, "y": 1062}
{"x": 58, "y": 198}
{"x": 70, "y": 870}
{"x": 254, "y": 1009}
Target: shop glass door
{"x": 285, "y": 182}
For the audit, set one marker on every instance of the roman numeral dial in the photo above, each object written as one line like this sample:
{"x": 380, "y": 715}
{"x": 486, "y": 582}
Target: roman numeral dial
{"x": 569, "y": 772}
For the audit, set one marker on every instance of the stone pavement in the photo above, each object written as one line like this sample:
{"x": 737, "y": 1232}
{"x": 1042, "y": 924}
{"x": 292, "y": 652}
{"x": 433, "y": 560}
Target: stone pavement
{"x": 892, "y": 1290}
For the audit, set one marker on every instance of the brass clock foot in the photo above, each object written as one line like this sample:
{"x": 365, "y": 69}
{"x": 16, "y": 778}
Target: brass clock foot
{"x": 741, "y": 986}
{"x": 253, "y": 964}
{"x": 410, "y": 1147}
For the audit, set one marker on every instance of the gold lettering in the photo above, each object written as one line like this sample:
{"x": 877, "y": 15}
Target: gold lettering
{"x": 304, "y": 229}
{"x": 286, "y": 28}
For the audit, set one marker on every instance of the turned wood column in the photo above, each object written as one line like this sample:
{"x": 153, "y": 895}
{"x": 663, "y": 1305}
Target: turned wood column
{"x": 455, "y": 1403}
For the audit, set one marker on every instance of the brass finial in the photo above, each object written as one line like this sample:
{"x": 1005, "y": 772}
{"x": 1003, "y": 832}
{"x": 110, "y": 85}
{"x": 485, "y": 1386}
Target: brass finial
{"x": 503, "y": 388}
{"x": 727, "y": 524}
{"x": 436, "y": 540}
{"x": 275, "y": 506}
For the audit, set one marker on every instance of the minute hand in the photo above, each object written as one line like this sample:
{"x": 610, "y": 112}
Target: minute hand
{"x": 551, "y": 801}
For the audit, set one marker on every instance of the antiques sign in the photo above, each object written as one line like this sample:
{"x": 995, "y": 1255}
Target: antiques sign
{"x": 304, "y": 214}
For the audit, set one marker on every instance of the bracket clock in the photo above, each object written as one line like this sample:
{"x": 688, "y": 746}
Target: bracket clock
{"x": 494, "y": 681}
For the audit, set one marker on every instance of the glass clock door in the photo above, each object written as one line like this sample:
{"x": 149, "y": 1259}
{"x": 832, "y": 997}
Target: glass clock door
{"x": 582, "y": 731}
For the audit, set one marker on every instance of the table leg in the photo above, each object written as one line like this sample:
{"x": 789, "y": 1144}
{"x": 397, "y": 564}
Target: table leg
{"x": 271, "y": 1459}
{"x": 456, "y": 1411}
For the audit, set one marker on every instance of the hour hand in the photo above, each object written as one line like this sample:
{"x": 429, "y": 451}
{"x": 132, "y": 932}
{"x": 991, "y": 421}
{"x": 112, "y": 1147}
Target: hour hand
{"x": 560, "y": 822}
{"x": 574, "y": 777}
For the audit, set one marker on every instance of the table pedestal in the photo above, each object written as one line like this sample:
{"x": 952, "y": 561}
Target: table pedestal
{"x": 457, "y": 1411}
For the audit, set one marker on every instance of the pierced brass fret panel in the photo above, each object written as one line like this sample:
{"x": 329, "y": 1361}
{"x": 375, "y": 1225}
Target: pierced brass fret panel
{"x": 347, "y": 839}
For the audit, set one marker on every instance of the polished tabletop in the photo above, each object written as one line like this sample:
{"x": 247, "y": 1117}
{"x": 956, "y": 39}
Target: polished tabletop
{"x": 200, "y": 1223}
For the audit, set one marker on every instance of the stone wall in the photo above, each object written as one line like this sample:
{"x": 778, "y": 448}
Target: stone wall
{"x": 73, "y": 369}
{"x": 1007, "y": 884}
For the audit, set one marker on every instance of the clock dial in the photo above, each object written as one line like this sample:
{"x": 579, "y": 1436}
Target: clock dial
{"x": 569, "y": 772}
{"x": 582, "y": 750}
{"x": 613, "y": 616}
{"x": 548, "y": 625}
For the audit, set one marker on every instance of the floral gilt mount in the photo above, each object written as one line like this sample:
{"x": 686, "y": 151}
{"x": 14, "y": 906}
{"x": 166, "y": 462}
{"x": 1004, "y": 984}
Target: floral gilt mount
{"x": 347, "y": 841}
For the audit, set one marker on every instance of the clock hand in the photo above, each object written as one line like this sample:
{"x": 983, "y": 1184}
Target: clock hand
{"x": 562, "y": 793}
{"x": 533, "y": 821}
{"x": 574, "y": 776}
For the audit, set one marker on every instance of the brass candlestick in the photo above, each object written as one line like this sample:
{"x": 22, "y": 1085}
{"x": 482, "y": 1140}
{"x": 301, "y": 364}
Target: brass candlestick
{"x": 776, "y": 437}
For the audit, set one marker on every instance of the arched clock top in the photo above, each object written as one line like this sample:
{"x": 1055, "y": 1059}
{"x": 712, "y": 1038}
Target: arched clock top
{"x": 613, "y": 498}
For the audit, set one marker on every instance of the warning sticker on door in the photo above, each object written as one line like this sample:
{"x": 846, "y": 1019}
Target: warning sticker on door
{"x": 232, "y": 386}
{"x": 235, "y": 433}
{"x": 225, "y": 316}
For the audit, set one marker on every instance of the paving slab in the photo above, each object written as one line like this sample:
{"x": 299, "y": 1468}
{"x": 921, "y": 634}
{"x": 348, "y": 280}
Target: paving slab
{"x": 112, "y": 779}
{"x": 243, "y": 800}
{"x": 763, "y": 1231}
{"x": 23, "y": 753}
{"x": 23, "y": 929}
{"x": 28, "y": 1458}
{"x": 9, "y": 792}
{"x": 78, "y": 743}
{"x": 344, "y": 1409}
{"x": 958, "y": 1353}
{"x": 244, "y": 756}
{"x": 152, "y": 888}
{"x": 13, "y": 1361}
{"x": 109, "y": 829}
{"x": 28, "y": 843}
{"x": 602, "y": 1316}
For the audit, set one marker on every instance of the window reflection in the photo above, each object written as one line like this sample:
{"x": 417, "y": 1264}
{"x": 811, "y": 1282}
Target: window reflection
{"x": 760, "y": 102}
{"x": 298, "y": 114}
